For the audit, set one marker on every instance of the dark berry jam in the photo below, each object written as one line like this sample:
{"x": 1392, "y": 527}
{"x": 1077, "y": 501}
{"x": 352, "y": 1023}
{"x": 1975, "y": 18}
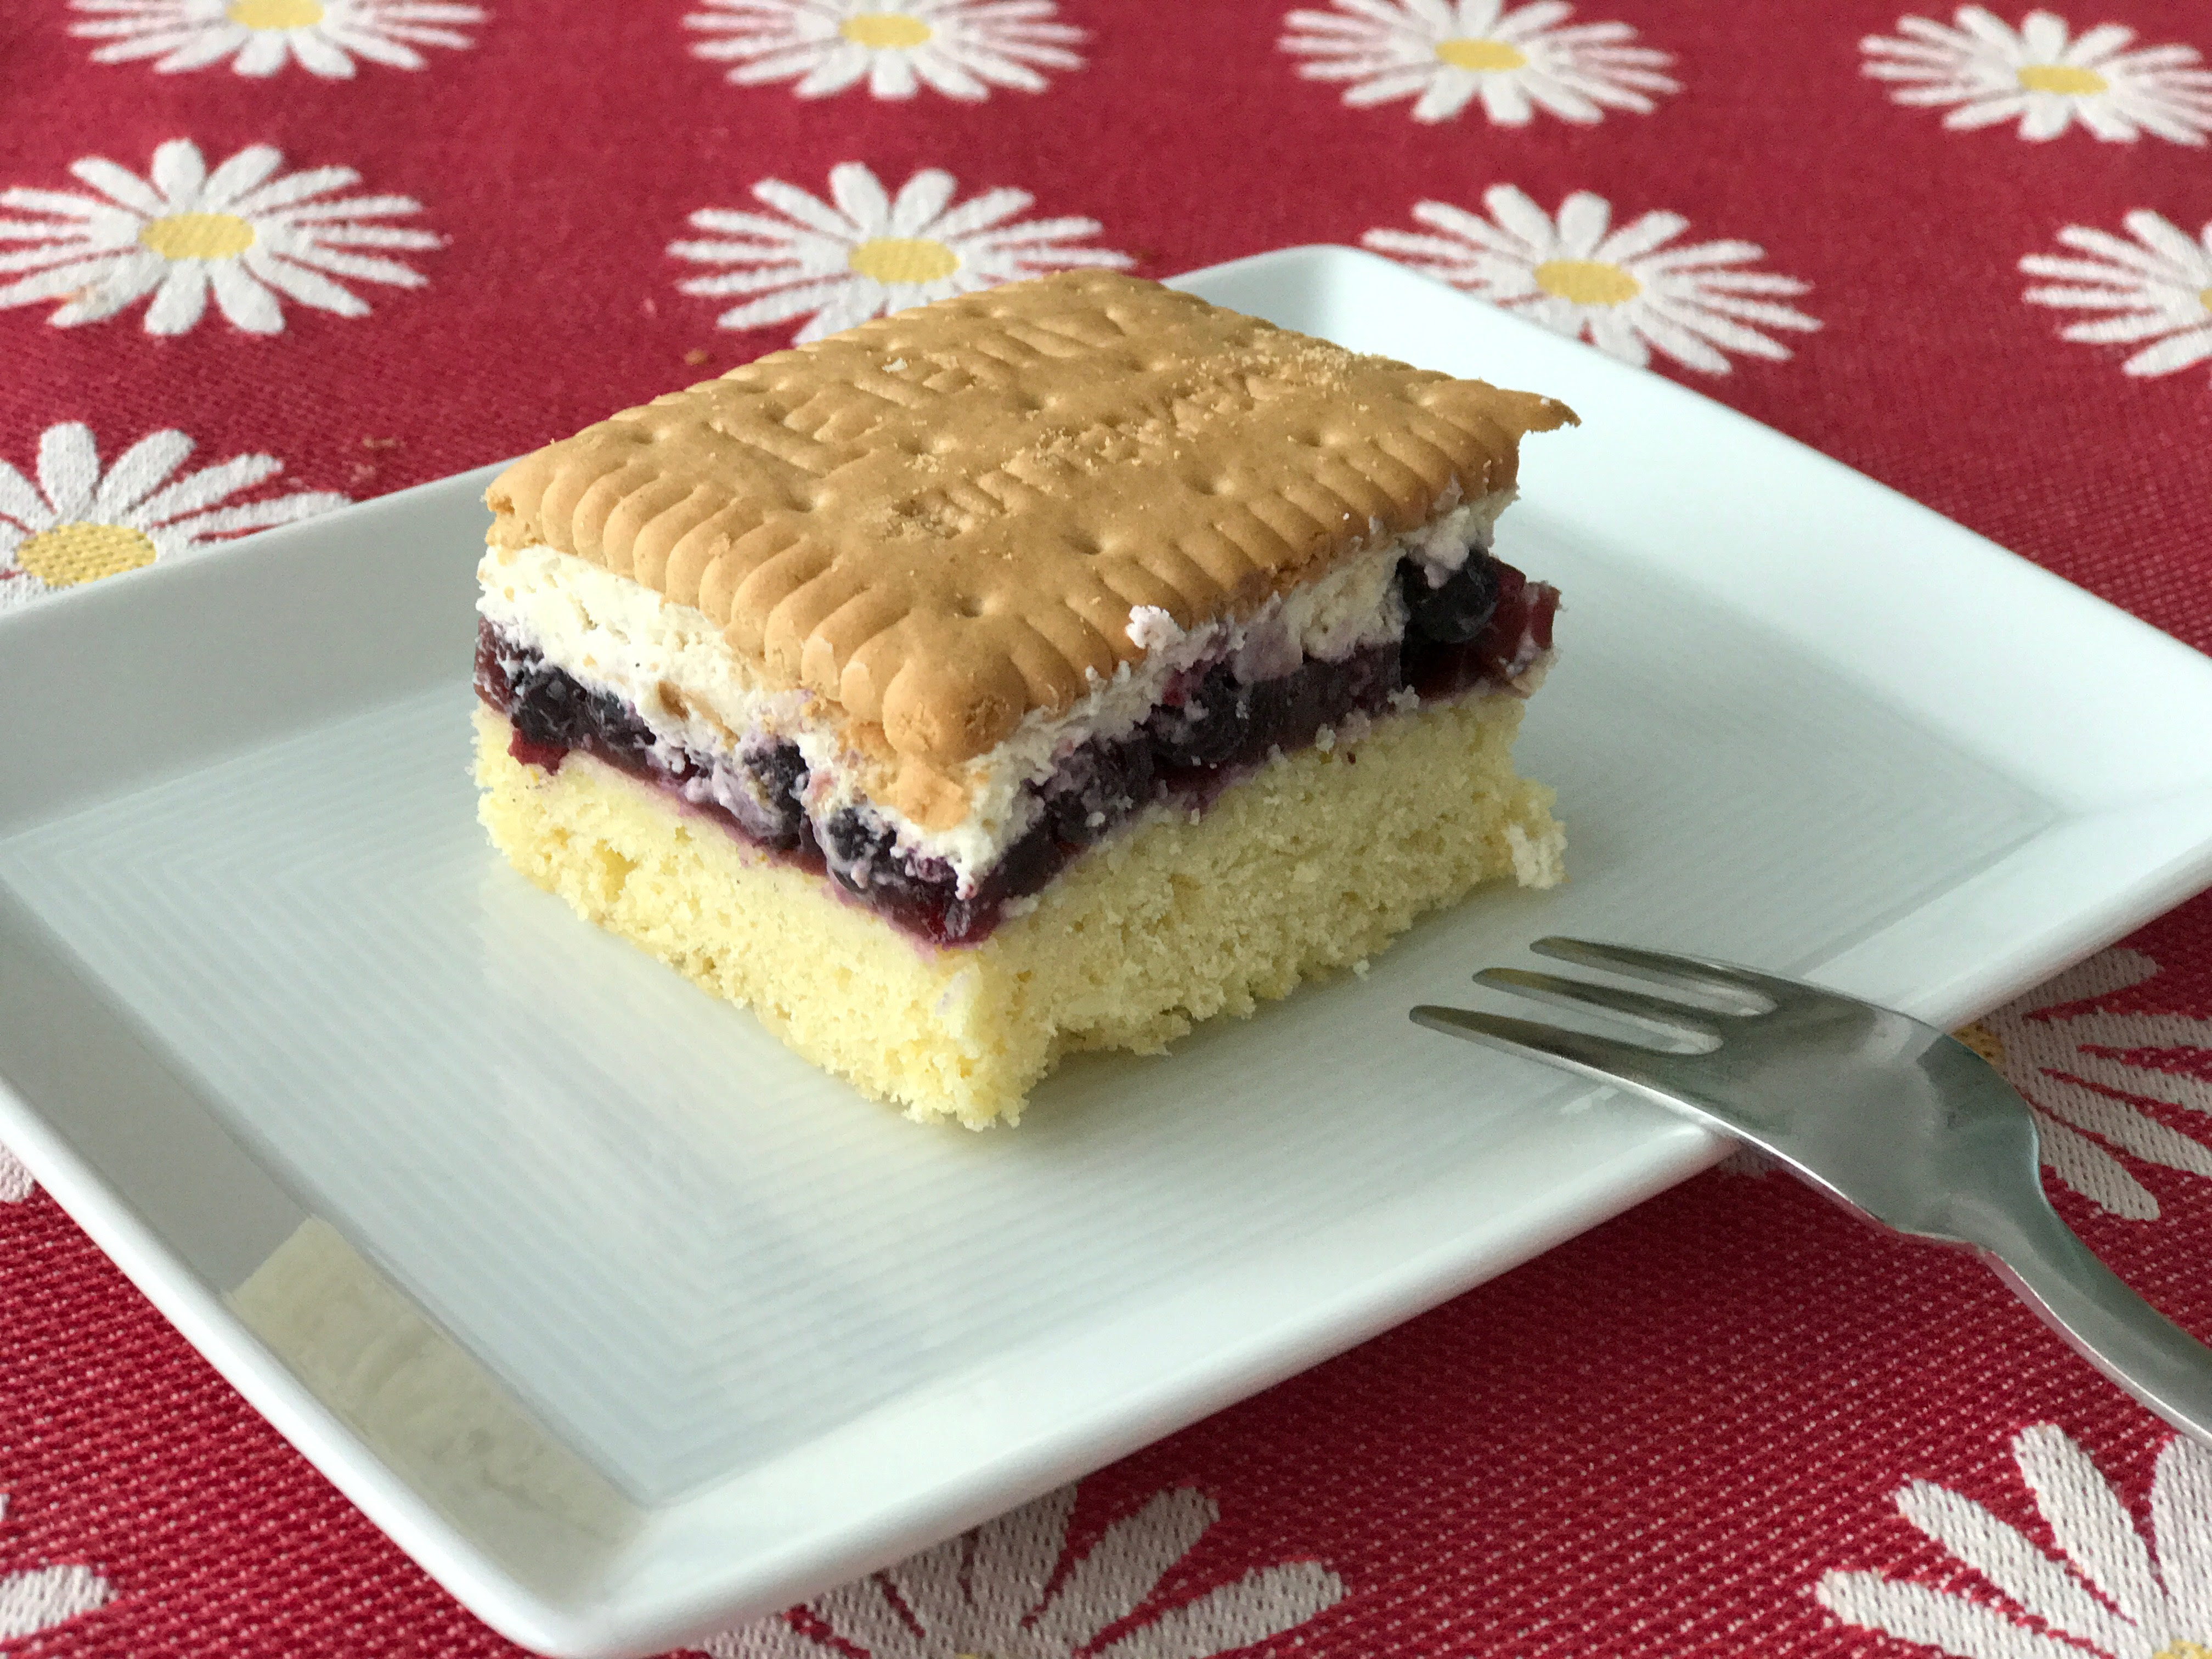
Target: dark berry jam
{"x": 551, "y": 713}
{"x": 1486, "y": 625}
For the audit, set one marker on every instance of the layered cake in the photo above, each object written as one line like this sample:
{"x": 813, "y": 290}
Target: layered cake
{"x": 1047, "y": 669}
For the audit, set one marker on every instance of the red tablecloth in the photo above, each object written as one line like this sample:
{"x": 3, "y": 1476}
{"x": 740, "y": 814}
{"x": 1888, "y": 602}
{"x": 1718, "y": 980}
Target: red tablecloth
{"x": 261, "y": 257}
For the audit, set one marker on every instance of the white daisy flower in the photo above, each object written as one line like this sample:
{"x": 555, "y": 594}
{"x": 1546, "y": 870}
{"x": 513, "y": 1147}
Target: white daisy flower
{"x": 1993, "y": 74}
{"x": 1448, "y": 52}
{"x": 246, "y": 231}
{"x": 1625, "y": 291}
{"x": 77, "y": 524}
{"x": 2077, "y": 1071}
{"x": 2112, "y": 1591}
{"x": 260, "y": 36}
{"x": 869, "y": 254}
{"x": 15, "y": 1182}
{"x": 984, "y": 1593}
{"x": 962, "y": 48}
{"x": 2157, "y": 289}
{"x": 40, "y": 1598}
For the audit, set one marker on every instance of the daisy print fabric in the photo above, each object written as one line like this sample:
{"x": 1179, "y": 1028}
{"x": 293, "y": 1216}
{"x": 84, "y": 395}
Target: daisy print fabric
{"x": 260, "y": 37}
{"x": 15, "y": 1182}
{"x": 2096, "y": 1083}
{"x": 1625, "y": 291}
{"x": 2110, "y": 1590}
{"x": 1446, "y": 54}
{"x": 2043, "y": 78}
{"x": 76, "y": 522}
{"x": 1000, "y": 1590}
{"x": 251, "y": 234}
{"x": 34, "y": 1599}
{"x": 865, "y": 252}
{"x": 2153, "y": 293}
{"x": 962, "y": 48}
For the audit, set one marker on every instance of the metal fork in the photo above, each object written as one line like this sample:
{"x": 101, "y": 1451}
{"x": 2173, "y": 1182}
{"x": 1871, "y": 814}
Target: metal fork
{"x": 1894, "y": 1120}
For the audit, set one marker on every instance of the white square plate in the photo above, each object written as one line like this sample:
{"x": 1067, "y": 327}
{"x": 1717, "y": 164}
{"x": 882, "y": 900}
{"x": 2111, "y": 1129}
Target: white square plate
{"x": 627, "y": 1324}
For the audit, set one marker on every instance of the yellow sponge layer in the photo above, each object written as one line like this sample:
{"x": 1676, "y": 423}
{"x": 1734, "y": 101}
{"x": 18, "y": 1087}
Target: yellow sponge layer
{"x": 1314, "y": 863}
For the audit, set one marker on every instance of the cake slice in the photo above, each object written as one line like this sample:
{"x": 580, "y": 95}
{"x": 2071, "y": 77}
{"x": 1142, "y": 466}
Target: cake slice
{"x": 1045, "y": 669}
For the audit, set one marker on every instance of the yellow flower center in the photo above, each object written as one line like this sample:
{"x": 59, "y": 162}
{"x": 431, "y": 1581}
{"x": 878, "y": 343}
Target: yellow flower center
{"x": 2204, "y": 298}
{"x": 882, "y": 31}
{"x": 275, "y": 14}
{"x": 1587, "y": 282}
{"x": 903, "y": 259}
{"x": 2183, "y": 1648}
{"x": 72, "y": 553}
{"x": 1468, "y": 51}
{"x": 197, "y": 235}
{"x": 2062, "y": 78}
{"x": 1990, "y": 1046}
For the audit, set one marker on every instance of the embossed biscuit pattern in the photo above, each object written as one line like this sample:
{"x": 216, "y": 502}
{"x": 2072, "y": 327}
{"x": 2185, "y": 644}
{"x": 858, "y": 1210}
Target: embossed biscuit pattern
{"x": 941, "y": 519}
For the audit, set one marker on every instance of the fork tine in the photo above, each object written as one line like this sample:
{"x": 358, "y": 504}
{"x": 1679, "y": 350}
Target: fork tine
{"x": 1670, "y": 1018}
{"x": 1602, "y": 1058}
{"x": 1700, "y": 973}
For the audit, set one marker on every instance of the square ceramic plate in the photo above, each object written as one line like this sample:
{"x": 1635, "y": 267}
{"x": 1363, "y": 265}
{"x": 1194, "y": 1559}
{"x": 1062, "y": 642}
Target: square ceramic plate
{"x": 627, "y": 1324}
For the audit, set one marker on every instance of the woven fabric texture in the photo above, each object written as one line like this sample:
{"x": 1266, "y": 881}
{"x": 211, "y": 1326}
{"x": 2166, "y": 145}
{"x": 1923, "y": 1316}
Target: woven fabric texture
{"x": 261, "y": 257}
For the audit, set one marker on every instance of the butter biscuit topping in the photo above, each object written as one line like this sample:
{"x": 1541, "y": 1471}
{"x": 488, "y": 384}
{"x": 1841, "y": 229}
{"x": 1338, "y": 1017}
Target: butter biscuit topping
{"x": 943, "y": 520}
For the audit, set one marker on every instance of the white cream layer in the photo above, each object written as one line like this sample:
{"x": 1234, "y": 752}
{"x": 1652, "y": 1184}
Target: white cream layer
{"x": 616, "y": 636}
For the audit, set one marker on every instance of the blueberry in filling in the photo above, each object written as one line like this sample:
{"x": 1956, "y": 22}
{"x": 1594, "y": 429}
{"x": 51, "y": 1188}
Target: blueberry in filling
{"x": 1288, "y": 713}
{"x": 1208, "y": 726}
{"x": 778, "y": 775}
{"x": 862, "y": 855}
{"x": 1456, "y": 611}
{"x": 1484, "y": 625}
{"x": 1101, "y": 784}
{"x": 1517, "y": 632}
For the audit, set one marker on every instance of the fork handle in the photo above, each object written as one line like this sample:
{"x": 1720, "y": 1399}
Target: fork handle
{"x": 2102, "y": 1319}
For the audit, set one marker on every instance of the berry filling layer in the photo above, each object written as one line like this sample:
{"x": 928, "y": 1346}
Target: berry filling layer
{"x": 1479, "y": 629}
